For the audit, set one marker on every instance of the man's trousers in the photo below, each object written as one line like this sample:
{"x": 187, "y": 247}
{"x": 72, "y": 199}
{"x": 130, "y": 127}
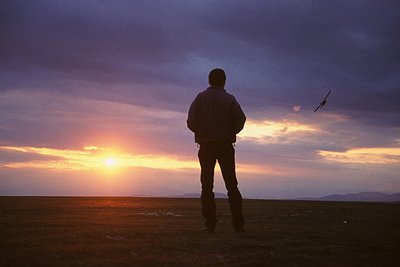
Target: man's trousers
{"x": 224, "y": 153}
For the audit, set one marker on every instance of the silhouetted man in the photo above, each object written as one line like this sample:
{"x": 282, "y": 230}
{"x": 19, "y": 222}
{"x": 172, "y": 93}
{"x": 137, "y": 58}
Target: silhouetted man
{"x": 216, "y": 117}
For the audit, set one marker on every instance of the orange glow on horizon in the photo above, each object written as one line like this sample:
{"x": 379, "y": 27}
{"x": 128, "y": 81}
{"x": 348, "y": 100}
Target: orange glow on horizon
{"x": 112, "y": 162}
{"x": 93, "y": 158}
{"x": 372, "y": 155}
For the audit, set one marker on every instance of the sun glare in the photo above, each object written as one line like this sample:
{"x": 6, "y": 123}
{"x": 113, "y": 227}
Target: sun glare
{"x": 93, "y": 157}
{"x": 110, "y": 162}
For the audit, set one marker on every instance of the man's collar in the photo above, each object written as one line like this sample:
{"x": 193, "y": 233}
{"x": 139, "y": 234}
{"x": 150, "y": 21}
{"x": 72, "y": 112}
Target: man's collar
{"x": 217, "y": 88}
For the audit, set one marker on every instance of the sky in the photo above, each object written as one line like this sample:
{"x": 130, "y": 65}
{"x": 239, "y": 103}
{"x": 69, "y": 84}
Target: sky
{"x": 94, "y": 95}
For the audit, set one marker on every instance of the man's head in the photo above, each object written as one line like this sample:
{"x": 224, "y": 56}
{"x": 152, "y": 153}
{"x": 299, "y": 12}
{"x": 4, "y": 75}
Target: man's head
{"x": 217, "y": 78}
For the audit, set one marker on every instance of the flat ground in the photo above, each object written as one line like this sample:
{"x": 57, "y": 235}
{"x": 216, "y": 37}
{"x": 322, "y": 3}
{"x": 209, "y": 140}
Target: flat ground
{"x": 56, "y": 231}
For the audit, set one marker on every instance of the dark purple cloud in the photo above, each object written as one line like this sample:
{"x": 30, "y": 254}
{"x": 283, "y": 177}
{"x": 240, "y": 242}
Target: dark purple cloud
{"x": 13, "y": 156}
{"x": 275, "y": 53}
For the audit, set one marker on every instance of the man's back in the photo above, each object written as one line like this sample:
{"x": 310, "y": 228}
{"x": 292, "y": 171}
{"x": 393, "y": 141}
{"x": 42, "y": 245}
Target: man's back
{"x": 215, "y": 116}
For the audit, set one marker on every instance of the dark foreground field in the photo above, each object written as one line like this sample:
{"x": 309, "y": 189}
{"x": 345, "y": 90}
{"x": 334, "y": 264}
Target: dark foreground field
{"x": 157, "y": 231}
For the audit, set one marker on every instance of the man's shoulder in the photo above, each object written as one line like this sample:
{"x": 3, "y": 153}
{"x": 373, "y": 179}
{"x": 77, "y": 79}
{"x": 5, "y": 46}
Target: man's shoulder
{"x": 213, "y": 95}
{"x": 219, "y": 91}
{"x": 228, "y": 96}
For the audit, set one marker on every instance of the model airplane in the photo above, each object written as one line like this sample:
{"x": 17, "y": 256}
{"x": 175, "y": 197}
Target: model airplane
{"x": 323, "y": 102}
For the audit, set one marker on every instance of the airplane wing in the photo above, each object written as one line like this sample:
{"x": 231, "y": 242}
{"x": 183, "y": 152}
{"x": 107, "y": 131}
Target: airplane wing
{"x": 317, "y": 108}
{"x": 328, "y": 94}
{"x": 323, "y": 101}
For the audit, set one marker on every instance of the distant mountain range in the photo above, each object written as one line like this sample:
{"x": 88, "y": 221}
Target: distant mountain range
{"x": 362, "y": 197}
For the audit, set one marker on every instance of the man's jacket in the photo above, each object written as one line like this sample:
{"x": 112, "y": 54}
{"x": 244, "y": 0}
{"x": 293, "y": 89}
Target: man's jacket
{"x": 215, "y": 116}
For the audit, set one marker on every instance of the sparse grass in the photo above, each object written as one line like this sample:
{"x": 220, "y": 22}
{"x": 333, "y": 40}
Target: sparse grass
{"x": 56, "y": 231}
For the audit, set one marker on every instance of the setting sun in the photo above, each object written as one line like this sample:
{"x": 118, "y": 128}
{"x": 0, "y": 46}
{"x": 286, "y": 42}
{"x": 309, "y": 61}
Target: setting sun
{"x": 110, "y": 162}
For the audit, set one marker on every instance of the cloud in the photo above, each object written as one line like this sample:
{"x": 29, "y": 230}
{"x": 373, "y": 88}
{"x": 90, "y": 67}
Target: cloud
{"x": 57, "y": 121}
{"x": 10, "y": 156}
{"x": 274, "y": 131}
{"x": 290, "y": 52}
{"x": 370, "y": 155}
{"x": 86, "y": 159}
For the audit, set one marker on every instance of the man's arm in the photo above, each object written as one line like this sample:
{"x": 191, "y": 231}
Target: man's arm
{"x": 238, "y": 117}
{"x": 193, "y": 116}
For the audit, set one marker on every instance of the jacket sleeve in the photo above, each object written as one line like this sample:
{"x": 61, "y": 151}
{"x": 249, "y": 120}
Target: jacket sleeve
{"x": 193, "y": 115}
{"x": 239, "y": 118}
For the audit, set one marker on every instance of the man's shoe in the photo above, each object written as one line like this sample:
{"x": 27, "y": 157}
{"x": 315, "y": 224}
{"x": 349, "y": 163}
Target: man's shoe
{"x": 208, "y": 230}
